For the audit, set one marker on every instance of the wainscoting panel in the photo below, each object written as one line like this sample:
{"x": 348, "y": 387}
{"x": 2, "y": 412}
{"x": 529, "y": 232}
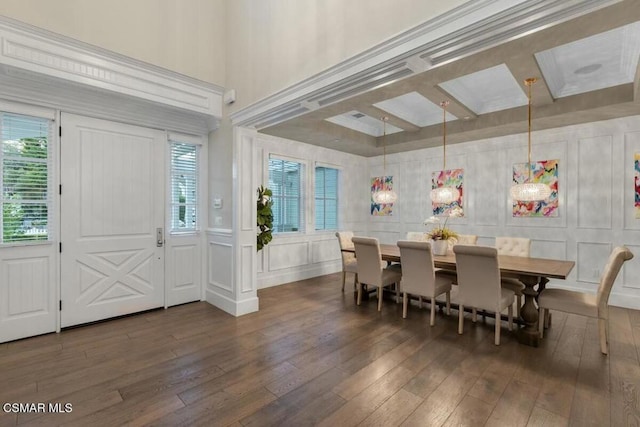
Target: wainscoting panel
{"x": 592, "y": 257}
{"x": 595, "y": 184}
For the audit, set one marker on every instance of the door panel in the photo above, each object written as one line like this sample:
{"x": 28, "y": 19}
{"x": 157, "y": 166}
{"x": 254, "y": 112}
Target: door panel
{"x": 112, "y": 203}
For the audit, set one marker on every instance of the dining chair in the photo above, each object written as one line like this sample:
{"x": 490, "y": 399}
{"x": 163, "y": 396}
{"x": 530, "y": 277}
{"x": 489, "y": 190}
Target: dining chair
{"x": 586, "y": 304}
{"x": 371, "y": 269}
{"x": 479, "y": 285}
{"x": 514, "y": 246}
{"x": 417, "y": 236}
{"x": 463, "y": 239}
{"x": 349, "y": 263}
{"x": 420, "y": 278}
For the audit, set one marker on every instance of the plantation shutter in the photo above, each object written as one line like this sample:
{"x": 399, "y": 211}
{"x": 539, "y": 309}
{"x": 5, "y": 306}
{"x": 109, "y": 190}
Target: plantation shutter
{"x": 286, "y": 183}
{"x": 326, "y": 198}
{"x": 184, "y": 187}
{"x": 26, "y": 179}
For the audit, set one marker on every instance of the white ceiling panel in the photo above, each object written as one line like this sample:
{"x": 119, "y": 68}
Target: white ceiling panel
{"x": 360, "y": 122}
{"x": 597, "y": 62}
{"x": 486, "y": 91}
{"x": 414, "y": 108}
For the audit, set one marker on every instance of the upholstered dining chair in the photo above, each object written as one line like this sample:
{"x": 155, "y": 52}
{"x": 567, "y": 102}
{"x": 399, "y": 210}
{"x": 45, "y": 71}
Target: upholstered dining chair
{"x": 349, "y": 263}
{"x": 479, "y": 285}
{"x": 420, "y": 278}
{"x": 417, "y": 236}
{"x": 463, "y": 239}
{"x": 514, "y": 246}
{"x": 585, "y": 304}
{"x": 371, "y": 269}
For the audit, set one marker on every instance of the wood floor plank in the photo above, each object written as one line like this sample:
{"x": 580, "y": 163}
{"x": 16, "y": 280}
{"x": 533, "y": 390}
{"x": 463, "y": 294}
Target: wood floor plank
{"x": 310, "y": 356}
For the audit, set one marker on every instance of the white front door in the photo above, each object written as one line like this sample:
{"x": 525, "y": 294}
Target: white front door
{"x": 112, "y": 211}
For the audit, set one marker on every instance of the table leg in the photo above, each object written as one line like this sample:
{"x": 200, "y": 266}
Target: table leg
{"x": 529, "y": 312}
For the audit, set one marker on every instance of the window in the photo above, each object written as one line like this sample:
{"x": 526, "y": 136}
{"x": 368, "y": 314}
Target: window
{"x": 184, "y": 186}
{"x": 26, "y": 178}
{"x": 326, "y": 198}
{"x": 285, "y": 181}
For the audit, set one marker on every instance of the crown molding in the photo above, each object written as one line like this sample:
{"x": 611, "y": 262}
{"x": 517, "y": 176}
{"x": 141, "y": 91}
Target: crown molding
{"x": 31, "y": 55}
{"x": 470, "y": 28}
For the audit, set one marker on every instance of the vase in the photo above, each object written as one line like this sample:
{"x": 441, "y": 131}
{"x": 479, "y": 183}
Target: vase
{"x": 439, "y": 247}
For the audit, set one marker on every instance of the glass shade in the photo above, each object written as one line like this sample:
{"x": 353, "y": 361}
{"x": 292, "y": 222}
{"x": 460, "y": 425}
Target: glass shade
{"x": 444, "y": 195}
{"x": 530, "y": 192}
{"x": 385, "y": 197}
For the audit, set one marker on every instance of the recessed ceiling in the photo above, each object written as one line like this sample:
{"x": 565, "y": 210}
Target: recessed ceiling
{"x": 600, "y": 61}
{"x": 488, "y": 90}
{"x": 587, "y": 70}
{"x": 415, "y": 109}
{"x": 360, "y": 122}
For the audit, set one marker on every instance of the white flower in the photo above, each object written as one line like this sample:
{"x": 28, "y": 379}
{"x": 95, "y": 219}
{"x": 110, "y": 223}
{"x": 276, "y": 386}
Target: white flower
{"x": 431, "y": 220}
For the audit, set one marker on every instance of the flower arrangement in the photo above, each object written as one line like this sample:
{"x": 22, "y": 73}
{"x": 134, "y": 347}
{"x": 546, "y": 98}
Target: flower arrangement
{"x": 264, "y": 217}
{"x": 441, "y": 232}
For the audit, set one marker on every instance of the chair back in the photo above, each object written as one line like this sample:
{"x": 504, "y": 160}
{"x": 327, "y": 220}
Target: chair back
{"x": 514, "y": 246}
{"x": 417, "y": 236}
{"x": 369, "y": 260}
{"x": 418, "y": 275}
{"x": 478, "y": 276}
{"x": 463, "y": 239}
{"x": 618, "y": 256}
{"x": 344, "y": 239}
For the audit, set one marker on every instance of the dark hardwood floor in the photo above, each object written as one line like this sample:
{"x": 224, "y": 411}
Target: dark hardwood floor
{"x": 311, "y": 356}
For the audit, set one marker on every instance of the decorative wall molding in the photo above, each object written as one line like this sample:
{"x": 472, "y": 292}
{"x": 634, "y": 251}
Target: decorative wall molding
{"x": 46, "y": 68}
{"x": 472, "y": 27}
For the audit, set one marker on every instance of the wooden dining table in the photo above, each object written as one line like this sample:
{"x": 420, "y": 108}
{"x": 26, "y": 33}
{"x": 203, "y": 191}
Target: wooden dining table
{"x": 530, "y": 271}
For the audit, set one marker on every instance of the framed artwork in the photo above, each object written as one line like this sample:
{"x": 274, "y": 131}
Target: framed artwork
{"x": 447, "y": 178}
{"x": 381, "y": 183}
{"x": 637, "y": 184}
{"x": 545, "y": 171}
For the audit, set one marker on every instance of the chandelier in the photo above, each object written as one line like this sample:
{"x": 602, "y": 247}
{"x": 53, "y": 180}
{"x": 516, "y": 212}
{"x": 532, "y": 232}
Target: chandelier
{"x": 530, "y": 191}
{"x": 384, "y": 195}
{"x": 444, "y": 195}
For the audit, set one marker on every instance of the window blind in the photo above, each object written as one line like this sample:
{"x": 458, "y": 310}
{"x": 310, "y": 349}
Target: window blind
{"x": 326, "y": 198}
{"x": 26, "y": 179}
{"x": 184, "y": 187}
{"x": 286, "y": 183}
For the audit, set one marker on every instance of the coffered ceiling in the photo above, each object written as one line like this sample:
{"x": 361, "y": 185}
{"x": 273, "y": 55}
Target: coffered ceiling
{"x": 587, "y": 70}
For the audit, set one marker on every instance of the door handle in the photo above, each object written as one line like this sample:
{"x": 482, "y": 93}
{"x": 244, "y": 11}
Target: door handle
{"x": 159, "y": 237}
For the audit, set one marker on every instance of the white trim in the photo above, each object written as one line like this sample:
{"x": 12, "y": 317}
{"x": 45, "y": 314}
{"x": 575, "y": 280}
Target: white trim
{"x": 235, "y": 308}
{"x": 472, "y": 27}
{"x": 184, "y": 138}
{"x": 27, "y": 110}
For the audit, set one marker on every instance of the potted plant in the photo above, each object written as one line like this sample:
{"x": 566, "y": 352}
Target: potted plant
{"x": 264, "y": 217}
{"x": 440, "y": 234}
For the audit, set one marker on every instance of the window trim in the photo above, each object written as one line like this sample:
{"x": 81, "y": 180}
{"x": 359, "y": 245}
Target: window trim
{"x": 302, "y": 196}
{"x": 172, "y": 138}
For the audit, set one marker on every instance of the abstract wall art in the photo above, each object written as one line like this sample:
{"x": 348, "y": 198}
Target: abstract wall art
{"x": 447, "y": 178}
{"x": 381, "y": 183}
{"x": 545, "y": 171}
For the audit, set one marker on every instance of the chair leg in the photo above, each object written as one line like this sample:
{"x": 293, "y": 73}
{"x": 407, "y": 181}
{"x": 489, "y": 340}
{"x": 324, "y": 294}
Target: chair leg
{"x": 602, "y": 326}
{"x": 359, "y": 293}
{"x": 541, "y": 316}
{"x": 448, "y": 295}
{"x": 404, "y": 305}
{"x": 432, "y": 321}
{"x": 474, "y": 315}
{"x": 460, "y": 318}
{"x": 510, "y": 316}
{"x": 379, "y": 298}
{"x": 355, "y": 281}
{"x": 344, "y": 278}
{"x": 497, "y": 328}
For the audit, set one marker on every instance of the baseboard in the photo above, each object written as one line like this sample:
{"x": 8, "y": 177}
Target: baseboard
{"x": 235, "y": 308}
{"x": 267, "y": 280}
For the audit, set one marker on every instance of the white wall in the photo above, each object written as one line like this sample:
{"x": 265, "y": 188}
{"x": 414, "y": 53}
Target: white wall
{"x": 186, "y": 37}
{"x": 596, "y": 197}
{"x": 296, "y": 256}
{"x": 276, "y": 43}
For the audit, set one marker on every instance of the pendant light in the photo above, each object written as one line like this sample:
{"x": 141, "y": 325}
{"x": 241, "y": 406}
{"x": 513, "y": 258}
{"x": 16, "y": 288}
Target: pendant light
{"x": 530, "y": 191}
{"x": 384, "y": 196}
{"x": 444, "y": 195}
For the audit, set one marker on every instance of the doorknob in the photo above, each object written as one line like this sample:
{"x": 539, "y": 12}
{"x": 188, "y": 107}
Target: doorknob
{"x": 159, "y": 237}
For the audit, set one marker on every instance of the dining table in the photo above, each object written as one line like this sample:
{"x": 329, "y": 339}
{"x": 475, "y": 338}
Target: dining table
{"x": 530, "y": 271}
